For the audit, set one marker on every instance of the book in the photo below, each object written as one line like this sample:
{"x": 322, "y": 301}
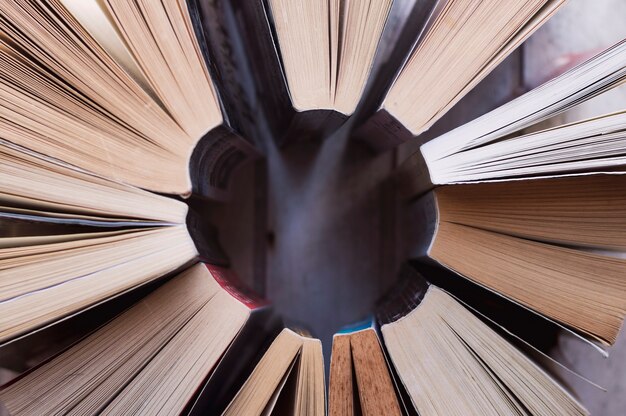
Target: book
{"x": 406, "y": 22}
{"x": 464, "y": 367}
{"x": 460, "y": 44}
{"x": 155, "y": 356}
{"x": 303, "y": 66}
{"x": 492, "y": 147}
{"x": 118, "y": 89}
{"x": 359, "y": 381}
{"x": 549, "y": 244}
{"x": 289, "y": 379}
{"x": 71, "y": 239}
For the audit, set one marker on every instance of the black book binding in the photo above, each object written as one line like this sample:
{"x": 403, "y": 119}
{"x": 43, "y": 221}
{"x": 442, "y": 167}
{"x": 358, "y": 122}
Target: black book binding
{"x": 248, "y": 69}
{"x": 205, "y": 237}
{"x": 405, "y": 296}
{"x": 223, "y": 149}
{"x": 403, "y": 31}
{"x": 216, "y": 156}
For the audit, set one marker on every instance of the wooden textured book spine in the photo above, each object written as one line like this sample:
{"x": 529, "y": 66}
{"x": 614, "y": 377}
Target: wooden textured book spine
{"x": 341, "y": 395}
{"x": 376, "y": 390}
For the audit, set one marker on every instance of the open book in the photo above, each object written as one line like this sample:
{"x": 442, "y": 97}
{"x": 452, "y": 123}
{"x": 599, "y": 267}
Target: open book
{"x": 119, "y": 89}
{"x": 71, "y": 239}
{"x": 307, "y": 63}
{"x": 452, "y": 363}
{"x": 551, "y": 245}
{"x": 153, "y": 358}
{"x": 461, "y": 43}
{"x": 488, "y": 148}
{"x": 288, "y": 380}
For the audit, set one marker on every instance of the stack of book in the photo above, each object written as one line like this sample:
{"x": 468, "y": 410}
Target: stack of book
{"x": 119, "y": 118}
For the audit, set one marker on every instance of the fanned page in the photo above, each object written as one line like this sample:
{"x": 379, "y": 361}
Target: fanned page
{"x": 161, "y": 37}
{"x": 267, "y": 380}
{"x": 595, "y": 76}
{"x": 71, "y": 239}
{"x": 597, "y": 144}
{"x": 65, "y": 96}
{"x": 552, "y": 245}
{"x": 37, "y": 182}
{"x": 463, "y": 43}
{"x": 189, "y": 321}
{"x": 45, "y": 282}
{"x": 327, "y": 49}
{"x": 289, "y": 379}
{"x": 465, "y": 368}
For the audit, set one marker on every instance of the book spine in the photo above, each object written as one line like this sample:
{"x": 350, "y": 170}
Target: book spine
{"x": 205, "y": 237}
{"x": 401, "y": 34}
{"x": 312, "y": 125}
{"x": 382, "y": 131}
{"x": 421, "y": 222}
{"x": 403, "y": 298}
{"x": 230, "y": 282}
{"x": 255, "y": 39}
{"x": 407, "y": 407}
{"x": 216, "y": 156}
{"x": 214, "y": 23}
{"x": 413, "y": 177}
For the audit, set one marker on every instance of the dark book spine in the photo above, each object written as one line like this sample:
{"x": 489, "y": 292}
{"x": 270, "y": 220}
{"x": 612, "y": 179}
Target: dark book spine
{"x": 403, "y": 31}
{"x": 421, "y": 219}
{"x": 247, "y": 66}
{"x": 403, "y": 298}
{"x": 216, "y": 156}
{"x": 262, "y": 45}
{"x": 413, "y": 177}
{"x": 285, "y": 123}
{"x": 205, "y": 238}
{"x": 405, "y": 23}
{"x": 382, "y": 131}
{"x": 246, "y": 60}
{"x": 312, "y": 125}
{"x": 212, "y": 24}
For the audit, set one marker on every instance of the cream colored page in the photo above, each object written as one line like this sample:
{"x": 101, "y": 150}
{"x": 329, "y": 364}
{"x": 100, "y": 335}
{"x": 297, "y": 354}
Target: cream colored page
{"x": 95, "y": 18}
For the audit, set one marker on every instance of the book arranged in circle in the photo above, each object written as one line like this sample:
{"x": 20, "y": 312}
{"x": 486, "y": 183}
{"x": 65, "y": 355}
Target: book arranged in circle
{"x": 123, "y": 124}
